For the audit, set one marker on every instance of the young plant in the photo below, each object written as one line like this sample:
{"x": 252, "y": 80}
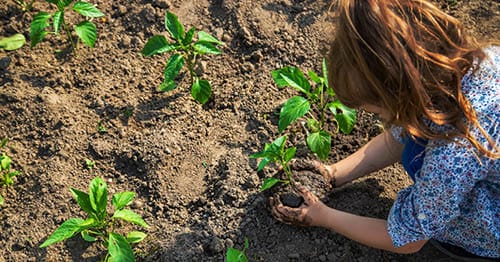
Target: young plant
{"x": 89, "y": 164}
{"x": 185, "y": 50}
{"x": 276, "y": 153}
{"x": 313, "y": 105}
{"x": 85, "y": 30}
{"x": 6, "y": 174}
{"x": 25, "y": 5}
{"x": 236, "y": 255}
{"x": 99, "y": 225}
{"x": 12, "y": 42}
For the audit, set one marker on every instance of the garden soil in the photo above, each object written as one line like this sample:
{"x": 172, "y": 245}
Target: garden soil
{"x": 189, "y": 164}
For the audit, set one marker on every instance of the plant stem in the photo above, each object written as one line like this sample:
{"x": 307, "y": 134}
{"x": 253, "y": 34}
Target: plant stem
{"x": 70, "y": 37}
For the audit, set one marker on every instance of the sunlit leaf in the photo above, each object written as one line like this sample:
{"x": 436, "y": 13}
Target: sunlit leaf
{"x": 268, "y": 183}
{"x": 87, "y": 9}
{"x": 64, "y": 231}
{"x": 201, "y": 90}
{"x": 174, "y": 27}
{"x": 120, "y": 200}
{"x": 320, "y": 143}
{"x": 293, "y": 109}
{"x": 87, "y": 32}
{"x": 119, "y": 249}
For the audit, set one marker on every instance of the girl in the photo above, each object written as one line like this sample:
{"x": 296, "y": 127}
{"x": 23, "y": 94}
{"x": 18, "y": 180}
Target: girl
{"x": 438, "y": 92}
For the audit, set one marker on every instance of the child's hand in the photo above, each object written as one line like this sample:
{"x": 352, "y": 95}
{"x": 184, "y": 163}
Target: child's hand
{"x": 315, "y": 166}
{"x": 308, "y": 214}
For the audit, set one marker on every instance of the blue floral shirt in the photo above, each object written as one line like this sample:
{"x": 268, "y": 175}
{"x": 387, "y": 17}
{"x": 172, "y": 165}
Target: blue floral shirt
{"x": 455, "y": 197}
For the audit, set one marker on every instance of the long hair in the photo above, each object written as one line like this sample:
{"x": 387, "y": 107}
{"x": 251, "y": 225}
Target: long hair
{"x": 409, "y": 57}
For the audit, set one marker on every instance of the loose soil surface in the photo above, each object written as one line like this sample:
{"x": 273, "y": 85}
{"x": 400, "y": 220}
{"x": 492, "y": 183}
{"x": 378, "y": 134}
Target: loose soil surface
{"x": 196, "y": 186}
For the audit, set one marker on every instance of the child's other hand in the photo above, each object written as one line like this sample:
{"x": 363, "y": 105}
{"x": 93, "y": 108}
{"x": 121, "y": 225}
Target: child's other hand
{"x": 308, "y": 214}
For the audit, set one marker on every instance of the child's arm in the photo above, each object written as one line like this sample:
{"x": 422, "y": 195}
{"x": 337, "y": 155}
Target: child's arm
{"x": 365, "y": 230}
{"x": 381, "y": 151}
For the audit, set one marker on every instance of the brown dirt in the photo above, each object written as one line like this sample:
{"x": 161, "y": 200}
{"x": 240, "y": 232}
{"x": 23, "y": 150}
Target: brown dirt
{"x": 188, "y": 164}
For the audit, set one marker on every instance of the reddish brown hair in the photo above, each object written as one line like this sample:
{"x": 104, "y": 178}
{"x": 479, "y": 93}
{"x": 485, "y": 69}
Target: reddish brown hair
{"x": 406, "y": 56}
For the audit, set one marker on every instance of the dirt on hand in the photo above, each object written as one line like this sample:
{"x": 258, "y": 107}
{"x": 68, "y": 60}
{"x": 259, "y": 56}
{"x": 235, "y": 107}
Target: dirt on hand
{"x": 188, "y": 164}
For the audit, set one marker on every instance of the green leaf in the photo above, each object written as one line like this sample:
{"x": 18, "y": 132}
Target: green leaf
{"x": 173, "y": 67}
{"x": 174, "y": 27}
{"x": 320, "y": 143}
{"x": 314, "y": 77}
{"x": 119, "y": 249}
{"x": 64, "y": 231}
{"x": 325, "y": 71}
{"x": 345, "y": 116}
{"x": 130, "y": 216}
{"x": 87, "y": 32}
{"x": 61, "y": 4}
{"x": 263, "y": 163}
{"x": 87, "y": 236}
{"x": 58, "y": 20}
{"x": 294, "y": 108}
{"x": 206, "y": 37}
{"x": 201, "y": 90}
{"x": 189, "y": 36}
{"x": 4, "y": 142}
{"x": 167, "y": 85}
{"x": 12, "y": 43}
{"x": 235, "y": 255}
{"x": 87, "y": 9}
{"x": 278, "y": 144}
{"x": 5, "y": 162}
{"x": 202, "y": 47}
{"x": 88, "y": 223}
{"x": 83, "y": 200}
{"x": 289, "y": 154}
{"x": 1, "y": 200}
{"x": 135, "y": 236}
{"x": 268, "y": 183}
{"x": 37, "y": 27}
{"x": 156, "y": 45}
{"x": 292, "y": 76}
{"x": 313, "y": 125}
{"x": 120, "y": 200}
{"x": 98, "y": 195}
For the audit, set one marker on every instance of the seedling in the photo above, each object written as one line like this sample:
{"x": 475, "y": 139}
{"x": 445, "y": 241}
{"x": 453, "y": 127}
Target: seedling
{"x": 99, "y": 226}
{"x": 276, "y": 153}
{"x": 236, "y": 255}
{"x": 313, "y": 105}
{"x": 85, "y": 30}
{"x": 89, "y": 164}
{"x": 25, "y": 5}
{"x": 6, "y": 174}
{"x": 12, "y": 42}
{"x": 101, "y": 128}
{"x": 185, "y": 50}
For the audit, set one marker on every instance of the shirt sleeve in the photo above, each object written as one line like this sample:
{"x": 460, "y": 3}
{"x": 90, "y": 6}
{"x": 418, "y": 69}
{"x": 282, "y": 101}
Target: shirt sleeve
{"x": 448, "y": 174}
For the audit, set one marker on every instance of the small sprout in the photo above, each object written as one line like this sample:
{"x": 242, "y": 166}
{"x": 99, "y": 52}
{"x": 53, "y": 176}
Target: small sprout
{"x": 99, "y": 225}
{"x": 89, "y": 164}
{"x": 101, "y": 128}
{"x": 236, "y": 255}
{"x": 185, "y": 50}
{"x": 6, "y": 173}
